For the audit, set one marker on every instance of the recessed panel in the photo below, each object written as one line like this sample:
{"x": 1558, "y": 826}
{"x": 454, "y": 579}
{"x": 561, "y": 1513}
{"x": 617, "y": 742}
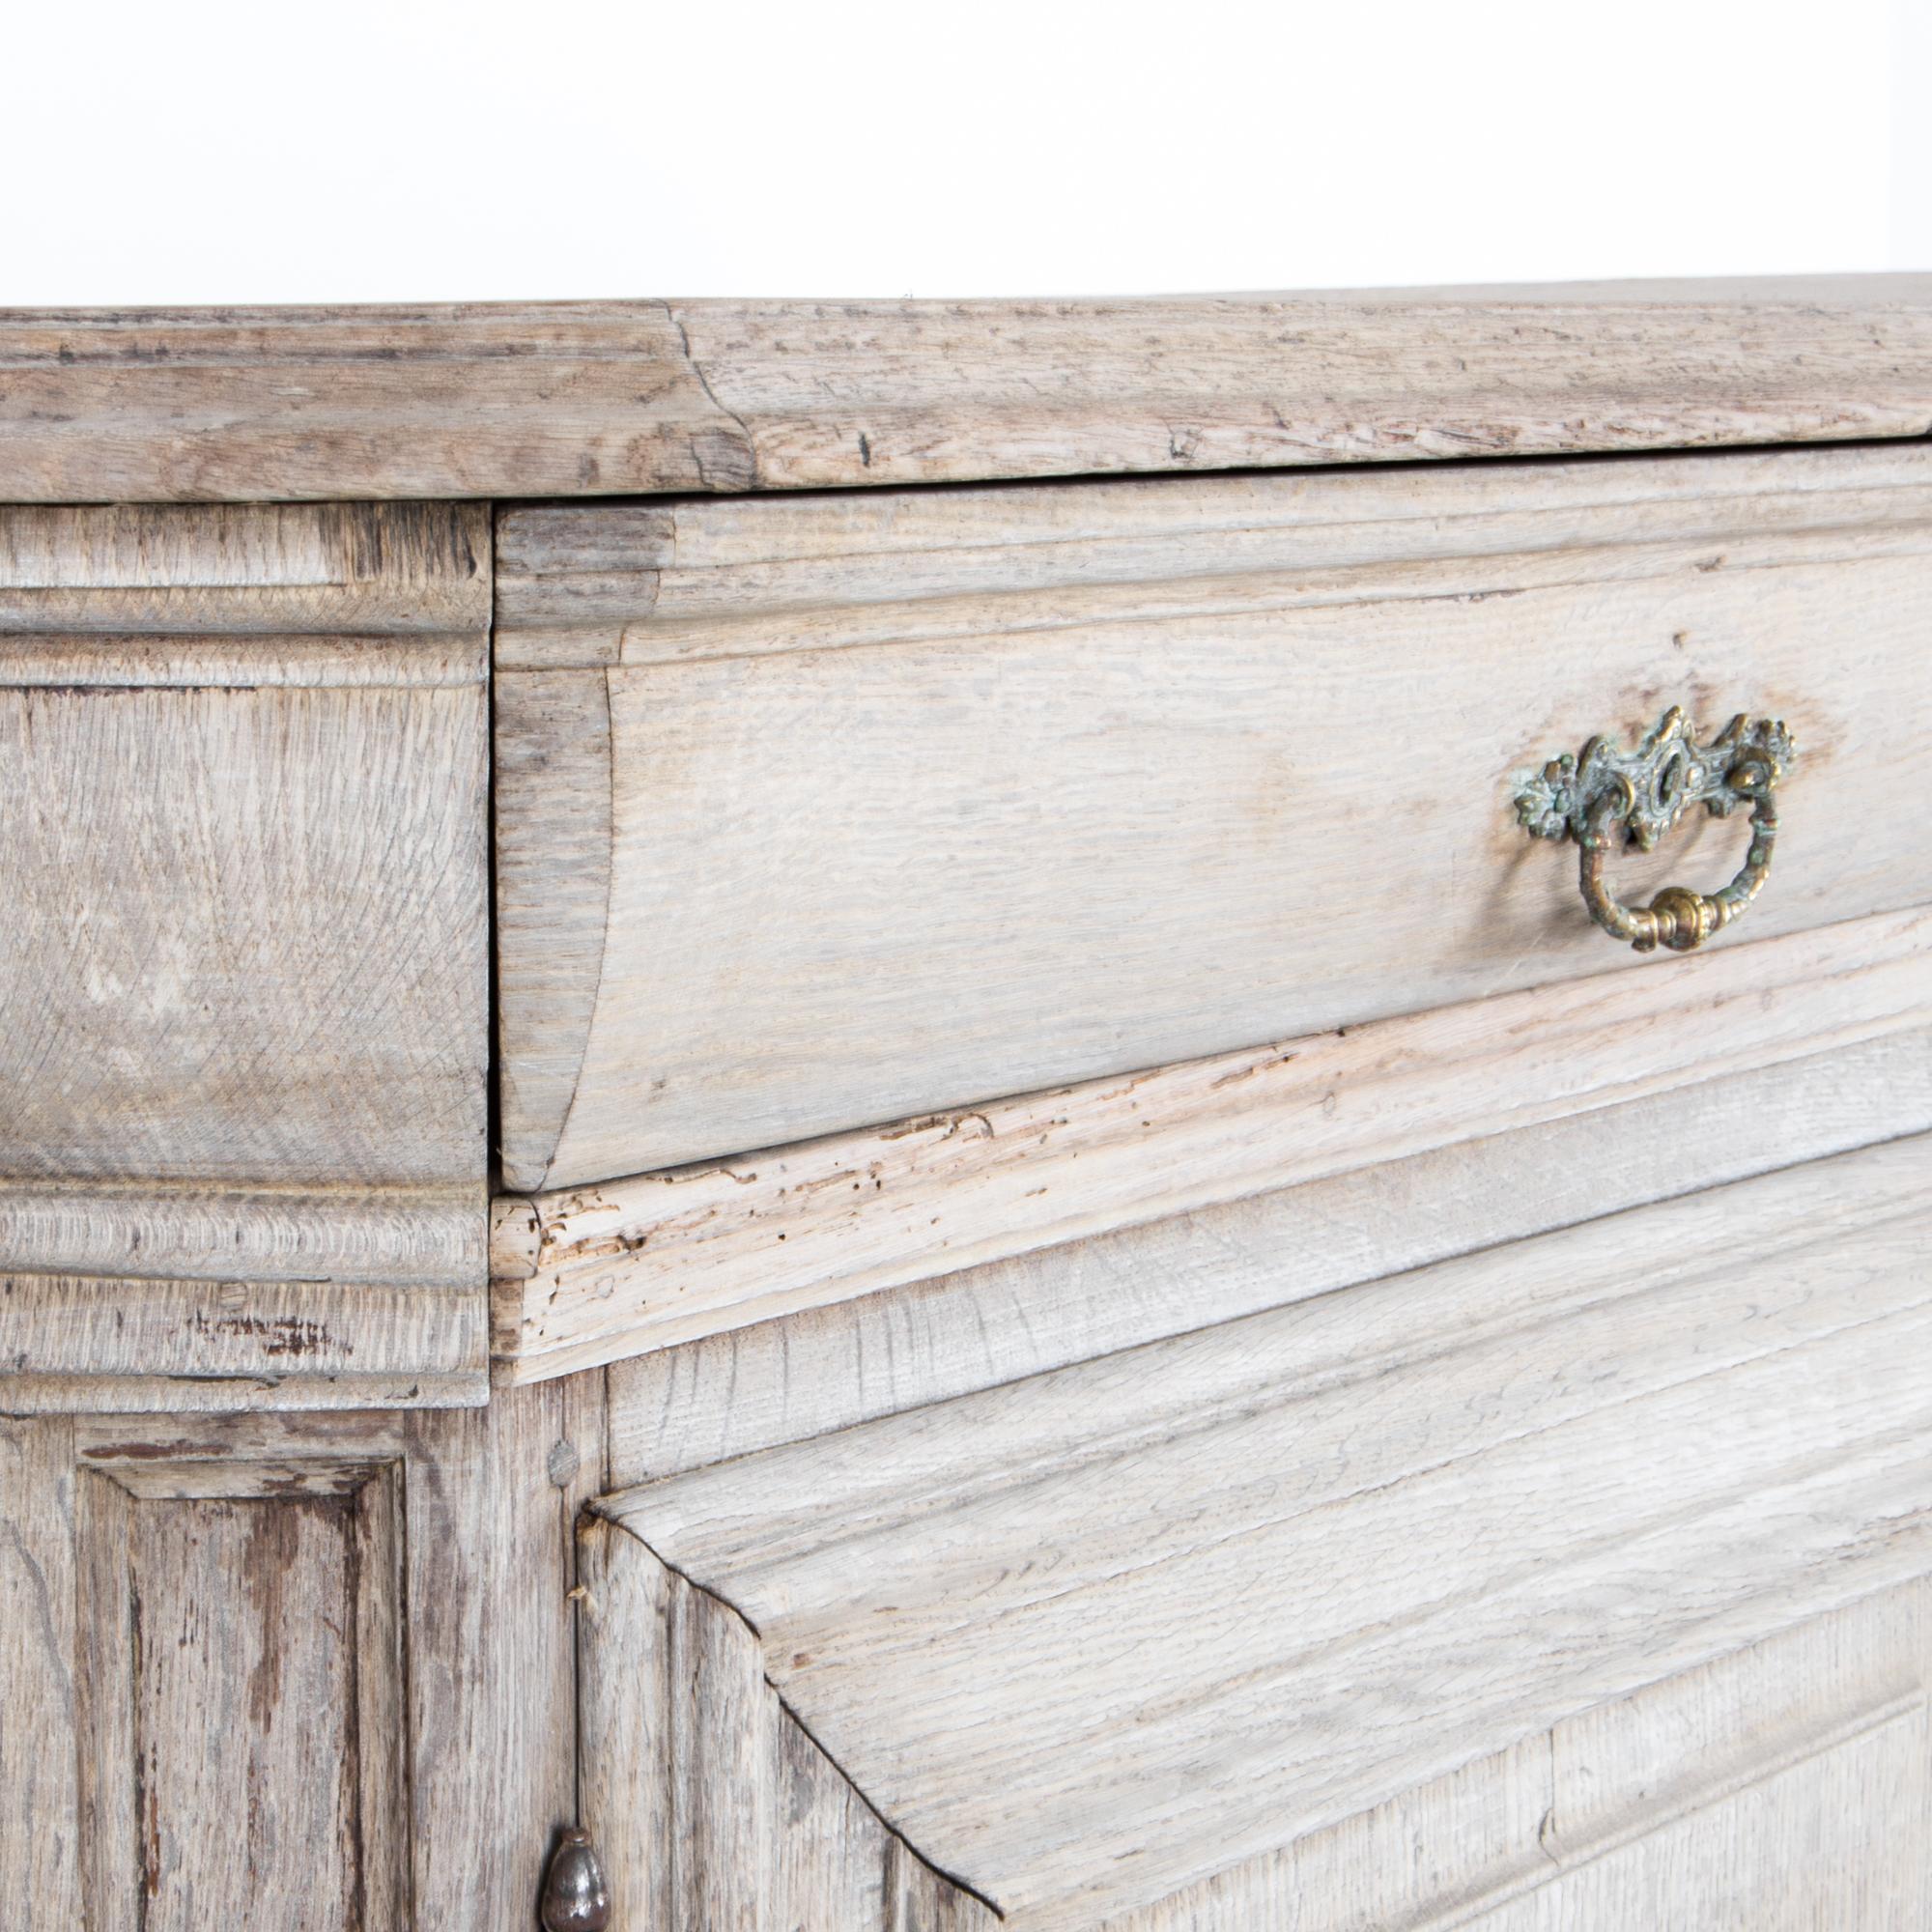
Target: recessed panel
{"x": 243, "y": 1697}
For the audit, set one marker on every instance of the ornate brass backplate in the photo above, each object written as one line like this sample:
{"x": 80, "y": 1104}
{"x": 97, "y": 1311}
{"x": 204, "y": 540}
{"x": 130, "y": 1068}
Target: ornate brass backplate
{"x": 1641, "y": 794}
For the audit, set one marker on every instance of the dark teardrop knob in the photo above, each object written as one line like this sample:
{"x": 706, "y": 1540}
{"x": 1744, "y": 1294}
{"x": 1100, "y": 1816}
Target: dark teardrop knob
{"x": 575, "y": 1896}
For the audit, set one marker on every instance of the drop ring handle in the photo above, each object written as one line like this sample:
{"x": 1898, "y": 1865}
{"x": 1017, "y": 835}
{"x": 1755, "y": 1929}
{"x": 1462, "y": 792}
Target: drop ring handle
{"x": 1607, "y": 796}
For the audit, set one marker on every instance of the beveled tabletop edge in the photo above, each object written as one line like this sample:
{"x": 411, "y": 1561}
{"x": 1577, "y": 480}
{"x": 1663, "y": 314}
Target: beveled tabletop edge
{"x": 599, "y": 398}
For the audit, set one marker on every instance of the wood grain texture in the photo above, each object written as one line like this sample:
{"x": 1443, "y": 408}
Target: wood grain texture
{"x": 599, "y": 1273}
{"x": 1027, "y": 845}
{"x": 244, "y": 772}
{"x": 1560, "y": 1829}
{"x": 494, "y": 1503}
{"x": 1629, "y": 1449}
{"x": 594, "y": 398}
{"x": 322, "y": 1661}
{"x": 586, "y": 586}
{"x": 553, "y": 792}
{"x": 212, "y": 977}
{"x": 416, "y": 1236}
{"x": 815, "y": 1372}
{"x": 75, "y": 1342}
{"x": 1836, "y": 1840}
{"x": 40, "y": 1822}
{"x": 712, "y": 1807}
{"x": 250, "y": 1650}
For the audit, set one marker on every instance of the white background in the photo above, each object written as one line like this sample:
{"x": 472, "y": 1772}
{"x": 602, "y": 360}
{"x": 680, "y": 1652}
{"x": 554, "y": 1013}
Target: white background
{"x": 267, "y": 151}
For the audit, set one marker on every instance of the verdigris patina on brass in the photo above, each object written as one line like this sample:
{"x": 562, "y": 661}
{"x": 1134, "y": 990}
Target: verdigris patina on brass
{"x": 1609, "y": 795}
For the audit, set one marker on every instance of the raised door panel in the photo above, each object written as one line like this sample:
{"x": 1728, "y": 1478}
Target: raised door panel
{"x": 1092, "y": 1637}
{"x": 715, "y": 1809}
{"x": 1782, "y": 1787}
{"x": 821, "y": 813}
{"x": 242, "y": 1696}
{"x": 243, "y": 984}
{"x": 310, "y": 1673}
{"x": 1786, "y": 1787}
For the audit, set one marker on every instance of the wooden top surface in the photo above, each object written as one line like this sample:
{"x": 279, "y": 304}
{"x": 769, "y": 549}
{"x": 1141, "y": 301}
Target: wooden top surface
{"x": 580, "y": 399}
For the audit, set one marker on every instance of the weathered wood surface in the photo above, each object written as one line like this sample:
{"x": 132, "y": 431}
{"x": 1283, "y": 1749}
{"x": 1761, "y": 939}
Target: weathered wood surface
{"x": 598, "y": 1274}
{"x": 244, "y": 978}
{"x": 494, "y": 1501}
{"x": 407, "y": 1237}
{"x": 247, "y": 942}
{"x": 552, "y": 898}
{"x": 1835, "y": 1839}
{"x": 1025, "y": 846}
{"x": 39, "y": 1841}
{"x": 277, "y": 595}
{"x": 233, "y": 1679}
{"x": 710, "y": 1805}
{"x": 243, "y": 1656}
{"x": 1448, "y": 1510}
{"x": 1782, "y": 1789}
{"x": 854, "y": 1361}
{"x": 594, "y": 398}
{"x": 581, "y": 586}
{"x": 76, "y": 1342}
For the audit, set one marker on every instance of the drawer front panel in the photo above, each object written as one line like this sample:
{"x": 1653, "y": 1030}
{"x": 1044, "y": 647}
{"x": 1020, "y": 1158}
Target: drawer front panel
{"x": 823, "y": 812}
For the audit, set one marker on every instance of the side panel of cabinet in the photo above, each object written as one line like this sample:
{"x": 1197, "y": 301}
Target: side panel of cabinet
{"x": 323, "y": 1662}
{"x": 243, "y": 970}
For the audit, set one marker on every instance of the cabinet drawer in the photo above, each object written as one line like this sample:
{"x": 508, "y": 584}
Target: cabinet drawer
{"x": 826, "y": 810}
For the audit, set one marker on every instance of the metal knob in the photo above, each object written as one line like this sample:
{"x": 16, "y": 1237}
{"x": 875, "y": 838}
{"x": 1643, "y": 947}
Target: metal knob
{"x": 575, "y": 1896}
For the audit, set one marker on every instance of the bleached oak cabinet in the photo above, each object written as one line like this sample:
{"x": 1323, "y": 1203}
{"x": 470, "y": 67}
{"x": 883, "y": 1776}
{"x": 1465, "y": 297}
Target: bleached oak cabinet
{"x": 1089, "y": 1114}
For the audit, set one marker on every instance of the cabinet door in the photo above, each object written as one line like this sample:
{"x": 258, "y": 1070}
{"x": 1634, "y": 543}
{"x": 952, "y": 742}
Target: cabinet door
{"x": 306, "y": 1674}
{"x": 240, "y": 1695}
{"x": 1578, "y": 1583}
{"x": 1790, "y": 1787}
{"x": 1786, "y": 1787}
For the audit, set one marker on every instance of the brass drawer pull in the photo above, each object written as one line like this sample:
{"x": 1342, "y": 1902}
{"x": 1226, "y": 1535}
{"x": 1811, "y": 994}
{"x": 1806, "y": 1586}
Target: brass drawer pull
{"x": 1645, "y": 792}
